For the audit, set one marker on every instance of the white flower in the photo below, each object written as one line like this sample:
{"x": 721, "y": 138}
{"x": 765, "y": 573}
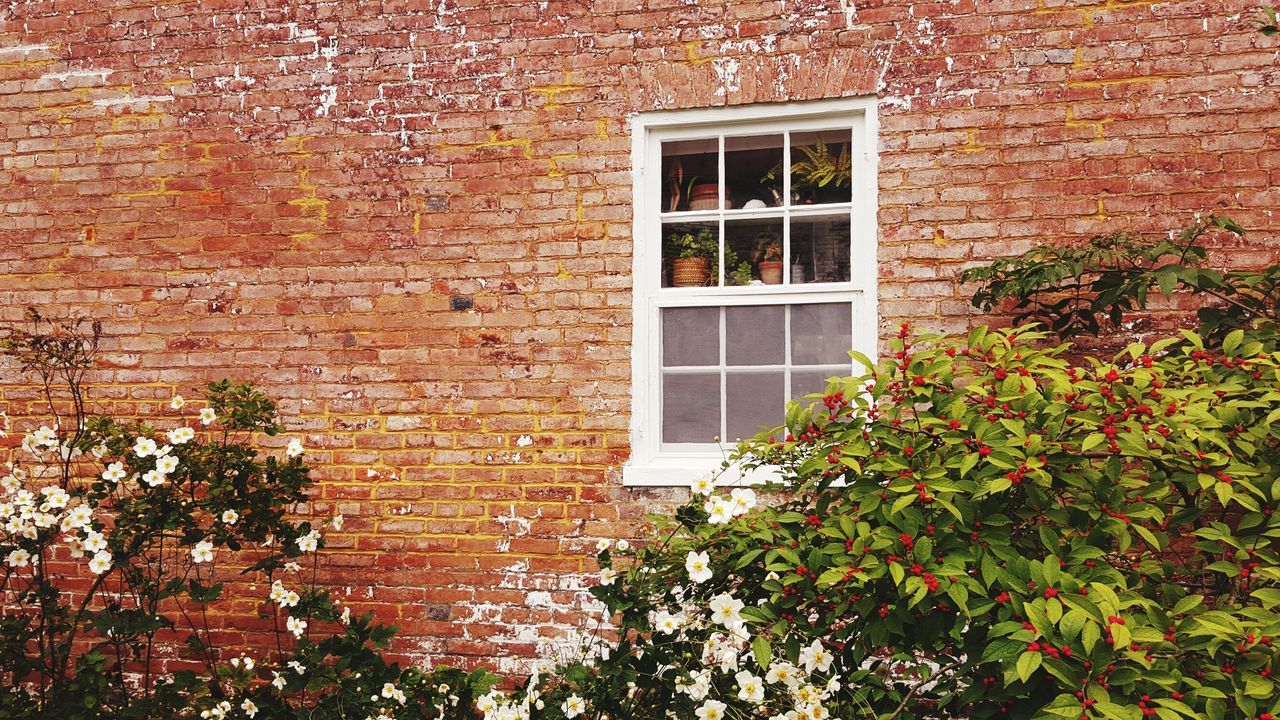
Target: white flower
{"x": 704, "y": 485}
{"x": 602, "y": 544}
{"x": 79, "y": 517}
{"x": 297, "y": 626}
{"x": 94, "y": 541}
{"x": 388, "y": 690}
{"x": 337, "y": 521}
{"x": 308, "y": 542}
{"x": 177, "y": 402}
{"x": 114, "y": 472}
{"x": 573, "y": 707}
{"x": 297, "y": 667}
{"x": 142, "y": 447}
{"x": 230, "y": 517}
{"x": 277, "y": 591}
{"x": 202, "y": 552}
{"x": 166, "y": 464}
{"x": 816, "y": 657}
{"x": 719, "y": 511}
{"x": 278, "y": 680}
{"x": 289, "y": 599}
{"x": 153, "y": 478}
{"x": 207, "y": 416}
{"x": 699, "y": 566}
{"x": 75, "y": 547}
{"x": 608, "y": 576}
{"x": 292, "y": 567}
{"x": 248, "y": 662}
{"x": 783, "y": 672}
{"x": 6, "y": 509}
{"x": 345, "y": 618}
{"x": 750, "y": 688}
{"x": 294, "y": 449}
{"x": 249, "y": 708}
{"x": 181, "y": 435}
{"x": 710, "y": 710}
{"x": 100, "y": 563}
{"x": 725, "y": 610}
{"x": 55, "y": 496}
{"x": 623, "y": 546}
{"x": 666, "y": 623}
{"x": 18, "y": 558}
{"x": 742, "y": 500}
{"x": 163, "y": 450}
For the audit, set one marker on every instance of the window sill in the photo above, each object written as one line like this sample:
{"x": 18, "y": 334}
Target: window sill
{"x": 682, "y": 471}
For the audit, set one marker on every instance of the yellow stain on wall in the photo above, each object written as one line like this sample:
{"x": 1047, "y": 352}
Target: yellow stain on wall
{"x": 493, "y": 142}
{"x": 551, "y": 93}
{"x": 161, "y": 190}
{"x": 1097, "y": 125}
{"x": 971, "y": 142}
{"x": 602, "y": 129}
{"x": 553, "y": 166}
{"x": 310, "y": 204}
{"x": 691, "y": 55}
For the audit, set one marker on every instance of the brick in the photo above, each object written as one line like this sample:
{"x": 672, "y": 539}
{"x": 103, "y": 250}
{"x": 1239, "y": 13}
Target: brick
{"x": 246, "y": 223}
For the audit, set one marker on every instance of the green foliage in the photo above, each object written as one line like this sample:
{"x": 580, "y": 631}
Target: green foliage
{"x": 1269, "y": 25}
{"x": 163, "y": 519}
{"x": 1090, "y": 289}
{"x": 976, "y": 528}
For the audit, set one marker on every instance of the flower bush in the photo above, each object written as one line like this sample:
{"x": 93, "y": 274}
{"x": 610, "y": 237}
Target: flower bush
{"x": 118, "y": 538}
{"x": 975, "y": 528}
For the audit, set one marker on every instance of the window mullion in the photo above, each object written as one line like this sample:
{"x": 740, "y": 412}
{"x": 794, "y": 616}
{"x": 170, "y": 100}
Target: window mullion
{"x": 724, "y": 380}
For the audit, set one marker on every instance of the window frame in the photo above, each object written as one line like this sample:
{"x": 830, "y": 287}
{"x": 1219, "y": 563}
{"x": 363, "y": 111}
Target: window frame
{"x": 650, "y": 464}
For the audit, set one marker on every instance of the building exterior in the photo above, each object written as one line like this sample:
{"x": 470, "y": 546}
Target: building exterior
{"x": 444, "y": 234}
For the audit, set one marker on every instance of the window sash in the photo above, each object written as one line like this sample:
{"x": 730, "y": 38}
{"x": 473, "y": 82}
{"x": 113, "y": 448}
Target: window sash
{"x": 653, "y": 461}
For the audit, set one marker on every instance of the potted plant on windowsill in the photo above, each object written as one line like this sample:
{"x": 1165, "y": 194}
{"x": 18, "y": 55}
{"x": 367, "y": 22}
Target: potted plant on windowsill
{"x": 695, "y": 256}
{"x": 769, "y": 254}
{"x": 819, "y": 176}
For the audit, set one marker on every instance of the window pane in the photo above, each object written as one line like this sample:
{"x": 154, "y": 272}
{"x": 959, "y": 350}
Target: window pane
{"x": 804, "y": 382}
{"x": 689, "y": 253}
{"x": 821, "y": 166}
{"x": 753, "y": 171}
{"x": 753, "y": 400}
{"x": 755, "y": 335}
{"x": 757, "y": 243}
{"x": 821, "y": 334}
{"x": 690, "y": 407}
{"x": 820, "y": 249}
{"x": 690, "y": 336}
{"x": 690, "y": 171}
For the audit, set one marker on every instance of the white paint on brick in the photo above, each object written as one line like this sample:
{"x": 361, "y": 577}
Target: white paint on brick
{"x": 130, "y": 100}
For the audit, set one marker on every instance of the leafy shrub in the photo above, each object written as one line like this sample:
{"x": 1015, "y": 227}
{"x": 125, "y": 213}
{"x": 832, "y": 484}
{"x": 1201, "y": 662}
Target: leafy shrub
{"x": 973, "y": 529}
{"x": 1089, "y": 289}
{"x": 115, "y": 541}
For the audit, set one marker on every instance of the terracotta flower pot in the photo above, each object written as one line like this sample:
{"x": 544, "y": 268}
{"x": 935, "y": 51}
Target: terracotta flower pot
{"x": 704, "y": 196}
{"x": 690, "y": 272}
{"x": 771, "y": 272}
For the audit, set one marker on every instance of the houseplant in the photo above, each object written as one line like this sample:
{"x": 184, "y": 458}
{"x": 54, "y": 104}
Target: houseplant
{"x": 817, "y": 174}
{"x": 695, "y": 257}
{"x": 769, "y": 258}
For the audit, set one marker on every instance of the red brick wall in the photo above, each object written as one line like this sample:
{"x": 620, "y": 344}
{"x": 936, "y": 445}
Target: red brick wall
{"x": 292, "y": 196}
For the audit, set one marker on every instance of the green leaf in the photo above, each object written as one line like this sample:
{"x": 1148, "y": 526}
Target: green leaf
{"x": 1089, "y": 636}
{"x": 1028, "y": 662}
{"x": 763, "y": 651}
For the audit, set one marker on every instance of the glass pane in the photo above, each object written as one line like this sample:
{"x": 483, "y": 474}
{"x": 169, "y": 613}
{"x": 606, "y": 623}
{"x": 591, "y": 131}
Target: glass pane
{"x": 753, "y": 400}
{"x": 821, "y": 166}
{"x": 690, "y": 407}
{"x": 753, "y": 171}
{"x": 758, "y": 243}
{"x": 689, "y": 251}
{"x": 690, "y": 171}
{"x": 820, "y": 249}
{"x": 804, "y": 382}
{"x": 755, "y": 335}
{"x": 820, "y": 334}
{"x": 690, "y": 336}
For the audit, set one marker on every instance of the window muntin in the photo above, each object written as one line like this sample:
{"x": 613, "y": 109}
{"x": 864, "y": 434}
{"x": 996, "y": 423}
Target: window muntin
{"x": 719, "y": 349}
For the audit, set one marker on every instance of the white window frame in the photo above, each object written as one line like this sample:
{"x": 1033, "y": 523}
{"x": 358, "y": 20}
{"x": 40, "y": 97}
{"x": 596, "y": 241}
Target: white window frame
{"x": 650, "y": 464}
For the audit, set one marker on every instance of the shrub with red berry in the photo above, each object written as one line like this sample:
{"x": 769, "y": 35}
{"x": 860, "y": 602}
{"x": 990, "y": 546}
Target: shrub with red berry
{"x": 977, "y": 528}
